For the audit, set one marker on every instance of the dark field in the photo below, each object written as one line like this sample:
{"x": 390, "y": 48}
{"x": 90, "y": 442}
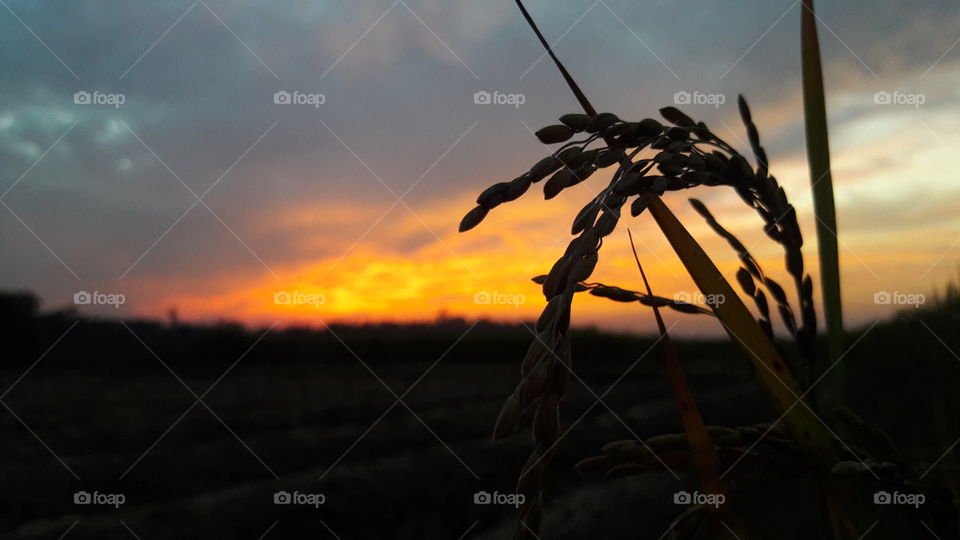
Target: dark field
{"x": 317, "y": 413}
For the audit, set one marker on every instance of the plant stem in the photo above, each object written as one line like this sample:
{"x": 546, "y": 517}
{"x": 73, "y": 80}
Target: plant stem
{"x": 581, "y": 97}
{"x": 818, "y": 156}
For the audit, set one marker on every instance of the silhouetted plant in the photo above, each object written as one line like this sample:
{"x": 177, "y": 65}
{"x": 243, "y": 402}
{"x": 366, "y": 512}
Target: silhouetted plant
{"x": 681, "y": 154}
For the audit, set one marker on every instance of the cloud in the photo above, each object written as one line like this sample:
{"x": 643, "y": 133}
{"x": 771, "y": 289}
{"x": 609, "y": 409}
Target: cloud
{"x": 399, "y": 120}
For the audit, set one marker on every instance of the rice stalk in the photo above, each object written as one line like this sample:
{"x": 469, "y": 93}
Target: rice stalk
{"x": 687, "y": 154}
{"x": 619, "y": 294}
{"x": 751, "y": 273}
{"x": 770, "y": 445}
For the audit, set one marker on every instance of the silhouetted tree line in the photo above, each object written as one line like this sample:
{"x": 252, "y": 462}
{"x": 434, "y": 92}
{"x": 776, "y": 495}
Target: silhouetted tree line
{"x": 102, "y": 343}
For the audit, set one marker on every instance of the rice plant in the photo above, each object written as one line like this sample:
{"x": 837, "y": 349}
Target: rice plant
{"x": 650, "y": 159}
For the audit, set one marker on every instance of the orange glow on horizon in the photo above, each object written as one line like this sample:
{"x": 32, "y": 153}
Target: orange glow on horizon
{"x": 416, "y": 267}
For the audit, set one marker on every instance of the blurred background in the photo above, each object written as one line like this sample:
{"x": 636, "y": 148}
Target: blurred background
{"x": 230, "y": 251}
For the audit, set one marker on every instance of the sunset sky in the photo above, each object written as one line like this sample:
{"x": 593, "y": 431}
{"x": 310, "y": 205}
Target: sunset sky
{"x": 352, "y": 204}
